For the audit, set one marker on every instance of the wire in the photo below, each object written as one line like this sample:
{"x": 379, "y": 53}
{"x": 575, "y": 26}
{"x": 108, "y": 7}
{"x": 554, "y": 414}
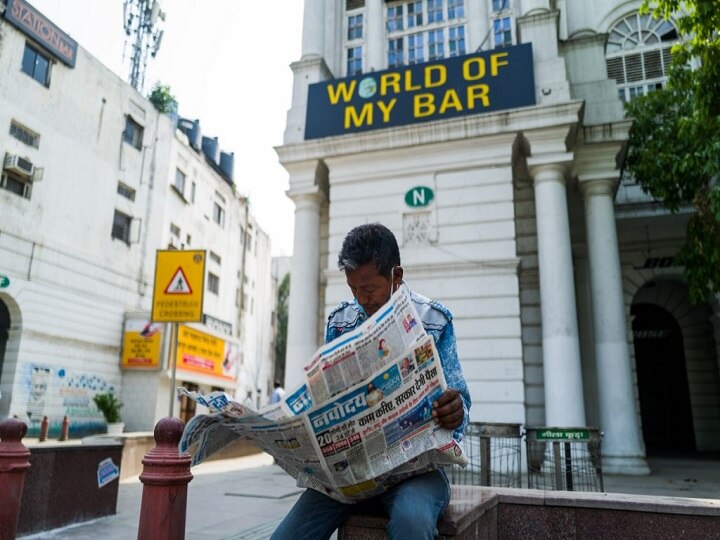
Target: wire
{"x": 503, "y": 7}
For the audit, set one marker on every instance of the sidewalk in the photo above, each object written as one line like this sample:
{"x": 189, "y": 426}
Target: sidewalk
{"x": 245, "y": 498}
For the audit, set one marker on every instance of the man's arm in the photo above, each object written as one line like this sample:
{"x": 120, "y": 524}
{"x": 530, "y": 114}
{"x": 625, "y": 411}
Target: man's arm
{"x": 452, "y": 408}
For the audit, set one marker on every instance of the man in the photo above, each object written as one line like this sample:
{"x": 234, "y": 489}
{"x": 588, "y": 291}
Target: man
{"x": 278, "y": 393}
{"x": 370, "y": 258}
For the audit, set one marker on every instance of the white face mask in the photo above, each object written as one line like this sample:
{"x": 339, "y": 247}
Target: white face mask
{"x": 393, "y": 287}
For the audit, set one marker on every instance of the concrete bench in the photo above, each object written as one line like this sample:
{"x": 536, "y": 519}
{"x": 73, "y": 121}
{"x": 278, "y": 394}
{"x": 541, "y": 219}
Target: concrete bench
{"x": 490, "y": 513}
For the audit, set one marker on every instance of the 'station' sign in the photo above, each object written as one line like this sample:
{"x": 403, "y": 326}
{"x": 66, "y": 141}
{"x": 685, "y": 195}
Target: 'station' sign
{"x": 459, "y": 86}
{"x": 179, "y": 285}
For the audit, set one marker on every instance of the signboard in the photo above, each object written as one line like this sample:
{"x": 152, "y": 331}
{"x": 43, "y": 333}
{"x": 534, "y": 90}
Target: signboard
{"x": 463, "y": 85}
{"x": 419, "y": 196}
{"x": 4, "y": 282}
{"x": 563, "y": 435}
{"x": 179, "y": 286}
{"x": 205, "y": 354}
{"x": 141, "y": 345}
{"x": 34, "y": 24}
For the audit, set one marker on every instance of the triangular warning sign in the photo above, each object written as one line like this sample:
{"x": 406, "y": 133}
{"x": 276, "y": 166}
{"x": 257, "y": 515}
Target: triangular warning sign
{"x": 179, "y": 284}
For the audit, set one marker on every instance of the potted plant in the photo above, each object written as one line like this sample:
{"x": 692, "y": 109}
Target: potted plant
{"x": 110, "y": 406}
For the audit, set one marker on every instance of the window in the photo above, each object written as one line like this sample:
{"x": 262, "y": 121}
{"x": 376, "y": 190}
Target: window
{"x": 457, "y": 40}
{"x": 215, "y": 257}
{"x": 500, "y": 5}
{"x": 175, "y": 230}
{"x": 16, "y": 184}
{"x": 133, "y": 133}
{"x": 355, "y": 27}
{"x": 218, "y": 214}
{"x": 638, "y": 54}
{"x": 121, "y": 227}
{"x": 24, "y": 135}
{"x": 354, "y": 61}
{"x": 213, "y": 283}
{"x": 420, "y": 31}
{"x": 188, "y": 239}
{"x": 415, "y": 49}
{"x": 36, "y": 64}
{"x": 502, "y": 32}
{"x": 179, "y": 184}
{"x": 126, "y": 191}
{"x": 192, "y": 191}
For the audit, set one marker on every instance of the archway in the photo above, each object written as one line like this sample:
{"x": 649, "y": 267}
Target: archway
{"x": 663, "y": 389}
{"x": 4, "y": 334}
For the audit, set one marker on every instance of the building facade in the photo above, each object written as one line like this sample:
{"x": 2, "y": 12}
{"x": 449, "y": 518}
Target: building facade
{"x": 94, "y": 182}
{"x": 489, "y": 135}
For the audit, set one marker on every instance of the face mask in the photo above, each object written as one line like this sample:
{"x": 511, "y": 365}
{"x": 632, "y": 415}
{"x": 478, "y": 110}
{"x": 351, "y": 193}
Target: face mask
{"x": 393, "y": 287}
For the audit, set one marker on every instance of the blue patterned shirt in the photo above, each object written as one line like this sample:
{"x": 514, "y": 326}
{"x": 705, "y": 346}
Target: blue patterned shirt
{"x": 437, "y": 321}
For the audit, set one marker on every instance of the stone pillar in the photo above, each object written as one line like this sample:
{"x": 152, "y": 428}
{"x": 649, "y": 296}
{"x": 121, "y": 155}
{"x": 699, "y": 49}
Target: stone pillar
{"x": 622, "y": 447}
{"x": 562, "y": 370}
{"x": 303, "y": 308}
{"x": 374, "y": 38}
{"x": 14, "y": 463}
{"x": 313, "y": 29}
{"x": 165, "y": 477}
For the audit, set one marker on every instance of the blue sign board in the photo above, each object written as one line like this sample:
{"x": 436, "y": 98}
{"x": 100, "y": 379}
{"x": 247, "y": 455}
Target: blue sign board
{"x": 33, "y": 23}
{"x": 471, "y": 84}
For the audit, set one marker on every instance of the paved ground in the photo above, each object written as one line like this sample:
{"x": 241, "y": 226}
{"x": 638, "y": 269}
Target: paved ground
{"x": 244, "y": 498}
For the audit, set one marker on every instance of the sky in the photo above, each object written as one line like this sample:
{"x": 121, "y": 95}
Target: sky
{"x": 228, "y": 64}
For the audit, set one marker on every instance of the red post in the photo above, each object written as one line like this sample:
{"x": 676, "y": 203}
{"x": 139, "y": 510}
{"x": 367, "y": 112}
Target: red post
{"x": 13, "y": 465}
{"x": 44, "y": 425}
{"x": 165, "y": 476}
{"x": 65, "y": 430}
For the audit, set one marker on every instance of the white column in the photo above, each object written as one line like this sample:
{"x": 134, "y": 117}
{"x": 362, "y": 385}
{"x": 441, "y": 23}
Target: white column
{"x": 562, "y": 371}
{"x": 374, "y": 41}
{"x": 622, "y": 447}
{"x": 304, "y": 285}
{"x": 313, "y": 28}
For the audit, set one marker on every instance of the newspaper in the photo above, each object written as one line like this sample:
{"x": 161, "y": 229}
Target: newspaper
{"x": 361, "y": 420}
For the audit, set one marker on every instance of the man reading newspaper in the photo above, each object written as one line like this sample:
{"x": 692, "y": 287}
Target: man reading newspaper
{"x": 370, "y": 258}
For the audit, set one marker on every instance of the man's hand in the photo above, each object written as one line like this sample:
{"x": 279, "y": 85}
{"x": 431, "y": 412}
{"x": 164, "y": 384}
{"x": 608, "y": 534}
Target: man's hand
{"x": 448, "y": 409}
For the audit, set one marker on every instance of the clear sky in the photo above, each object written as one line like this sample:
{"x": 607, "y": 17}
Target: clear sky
{"x": 227, "y": 63}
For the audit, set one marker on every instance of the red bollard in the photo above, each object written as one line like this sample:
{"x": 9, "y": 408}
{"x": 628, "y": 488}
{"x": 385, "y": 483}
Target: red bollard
{"x": 13, "y": 465}
{"x": 165, "y": 476}
{"x": 65, "y": 430}
{"x": 44, "y": 425}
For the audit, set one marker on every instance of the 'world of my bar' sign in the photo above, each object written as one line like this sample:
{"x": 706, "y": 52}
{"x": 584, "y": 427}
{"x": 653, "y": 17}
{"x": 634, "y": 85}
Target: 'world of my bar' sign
{"x": 476, "y": 83}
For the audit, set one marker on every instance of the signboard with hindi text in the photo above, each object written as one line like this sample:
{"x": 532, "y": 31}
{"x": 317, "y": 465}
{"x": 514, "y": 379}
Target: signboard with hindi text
{"x": 463, "y": 85}
{"x": 205, "y": 354}
{"x": 179, "y": 286}
{"x": 142, "y": 343}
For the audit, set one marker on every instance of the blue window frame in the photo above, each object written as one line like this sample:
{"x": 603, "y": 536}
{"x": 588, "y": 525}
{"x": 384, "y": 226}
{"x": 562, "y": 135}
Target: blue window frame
{"x": 502, "y": 32}
{"x": 416, "y": 52}
{"x": 457, "y": 40}
{"x": 435, "y": 11}
{"x": 436, "y": 44}
{"x": 36, "y": 64}
{"x": 354, "y": 61}
{"x": 414, "y": 14}
{"x": 394, "y": 18}
{"x": 355, "y": 27}
{"x": 395, "y": 52}
{"x": 456, "y": 9}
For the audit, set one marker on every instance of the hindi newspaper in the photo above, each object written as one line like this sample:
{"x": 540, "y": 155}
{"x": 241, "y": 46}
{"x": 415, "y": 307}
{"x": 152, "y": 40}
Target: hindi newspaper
{"x": 361, "y": 420}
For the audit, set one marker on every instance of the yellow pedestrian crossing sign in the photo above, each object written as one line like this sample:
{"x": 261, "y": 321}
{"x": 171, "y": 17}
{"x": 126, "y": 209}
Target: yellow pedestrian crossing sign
{"x": 179, "y": 285}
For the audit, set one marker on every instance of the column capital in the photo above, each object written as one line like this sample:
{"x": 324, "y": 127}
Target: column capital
{"x": 549, "y": 168}
{"x": 304, "y": 196}
{"x": 597, "y": 185}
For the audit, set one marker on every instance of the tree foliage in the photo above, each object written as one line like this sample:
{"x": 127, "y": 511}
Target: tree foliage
{"x": 674, "y": 147}
{"x": 282, "y": 322}
{"x": 162, "y": 99}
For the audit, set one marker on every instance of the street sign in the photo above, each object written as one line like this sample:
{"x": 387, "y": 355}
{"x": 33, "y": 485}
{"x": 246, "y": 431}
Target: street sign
{"x": 4, "y": 282}
{"x": 179, "y": 286}
{"x": 419, "y": 196}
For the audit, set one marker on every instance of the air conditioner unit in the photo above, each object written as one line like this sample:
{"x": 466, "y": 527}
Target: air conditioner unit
{"x": 19, "y": 165}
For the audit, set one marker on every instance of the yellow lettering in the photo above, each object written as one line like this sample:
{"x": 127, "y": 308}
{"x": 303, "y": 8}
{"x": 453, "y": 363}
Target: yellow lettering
{"x": 389, "y": 80}
{"x": 441, "y": 76}
{"x": 478, "y": 91}
{"x": 495, "y": 63}
{"x": 408, "y": 82}
{"x": 473, "y": 69}
{"x": 423, "y": 105}
{"x": 450, "y": 100}
{"x": 366, "y": 115}
{"x": 386, "y": 108}
{"x": 343, "y": 90}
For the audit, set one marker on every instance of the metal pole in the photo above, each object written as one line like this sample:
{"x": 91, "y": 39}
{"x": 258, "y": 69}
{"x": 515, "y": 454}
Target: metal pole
{"x": 173, "y": 363}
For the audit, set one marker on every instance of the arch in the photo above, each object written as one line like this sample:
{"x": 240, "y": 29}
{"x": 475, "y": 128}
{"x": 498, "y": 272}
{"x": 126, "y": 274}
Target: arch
{"x": 10, "y": 331}
{"x": 665, "y": 289}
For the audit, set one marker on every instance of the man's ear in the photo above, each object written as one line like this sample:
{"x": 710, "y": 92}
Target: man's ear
{"x": 397, "y": 274}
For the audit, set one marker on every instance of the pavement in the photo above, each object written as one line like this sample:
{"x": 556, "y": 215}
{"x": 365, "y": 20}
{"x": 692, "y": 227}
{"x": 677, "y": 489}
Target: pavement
{"x": 245, "y": 498}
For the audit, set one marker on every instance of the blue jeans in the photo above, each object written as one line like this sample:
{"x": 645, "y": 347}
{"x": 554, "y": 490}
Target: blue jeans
{"x": 413, "y": 506}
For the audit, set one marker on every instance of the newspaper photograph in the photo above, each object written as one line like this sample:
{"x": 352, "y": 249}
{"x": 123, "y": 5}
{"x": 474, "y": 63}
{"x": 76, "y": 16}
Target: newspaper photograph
{"x": 360, "y": 422}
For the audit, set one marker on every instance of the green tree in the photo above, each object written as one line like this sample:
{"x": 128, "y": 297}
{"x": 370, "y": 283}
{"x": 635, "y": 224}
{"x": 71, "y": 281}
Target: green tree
{"x": 674, "y": 147}
{"x": 282, "y": 321}
{"x": 162, "y": 99}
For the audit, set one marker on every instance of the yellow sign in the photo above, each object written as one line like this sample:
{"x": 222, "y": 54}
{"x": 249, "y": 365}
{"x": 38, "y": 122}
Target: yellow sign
{"x": 179, "y": 285}
{"x": 141, "y": 345}
{"x": 205, "y": 354}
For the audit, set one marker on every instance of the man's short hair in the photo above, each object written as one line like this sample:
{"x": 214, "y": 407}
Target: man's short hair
{"x": 370, "y": 243}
